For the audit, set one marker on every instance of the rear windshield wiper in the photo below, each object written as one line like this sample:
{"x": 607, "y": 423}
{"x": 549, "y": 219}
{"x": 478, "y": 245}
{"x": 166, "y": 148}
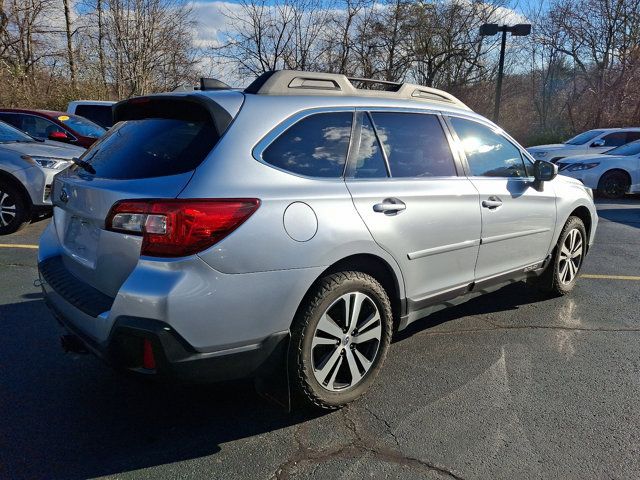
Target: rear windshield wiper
{"x": 84, "y": 165}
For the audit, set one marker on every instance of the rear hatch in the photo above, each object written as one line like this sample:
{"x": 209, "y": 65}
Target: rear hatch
{"x": 151, "y": 153}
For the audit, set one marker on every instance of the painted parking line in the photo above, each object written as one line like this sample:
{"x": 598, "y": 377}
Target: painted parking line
{"x": 18, "y": 245}
{"x": 610, "y": 277}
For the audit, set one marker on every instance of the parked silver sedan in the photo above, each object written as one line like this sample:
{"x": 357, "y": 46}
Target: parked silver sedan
{"x": 27, "y": 167}
{"x": 296, "y": 224}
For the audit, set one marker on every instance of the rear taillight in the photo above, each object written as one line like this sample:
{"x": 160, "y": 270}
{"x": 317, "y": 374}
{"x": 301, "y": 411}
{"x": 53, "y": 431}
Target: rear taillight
{"x": 177, "y": 228}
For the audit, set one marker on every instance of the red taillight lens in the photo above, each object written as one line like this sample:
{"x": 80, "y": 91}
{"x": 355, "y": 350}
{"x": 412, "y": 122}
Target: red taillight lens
{"x": 177, "y": 228}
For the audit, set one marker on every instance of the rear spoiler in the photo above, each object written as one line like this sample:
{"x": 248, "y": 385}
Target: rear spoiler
{"x": 181, "y": 107}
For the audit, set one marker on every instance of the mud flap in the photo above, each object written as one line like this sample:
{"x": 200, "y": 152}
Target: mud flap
{"x": 272, "y": 378}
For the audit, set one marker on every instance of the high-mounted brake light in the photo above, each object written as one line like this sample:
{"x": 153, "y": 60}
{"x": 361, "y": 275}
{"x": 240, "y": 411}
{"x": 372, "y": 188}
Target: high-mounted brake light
{"x": 177, "y": 228}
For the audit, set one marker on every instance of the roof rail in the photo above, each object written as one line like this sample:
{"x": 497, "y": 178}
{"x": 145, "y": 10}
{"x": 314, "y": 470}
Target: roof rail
{"x": 293, "y": 82}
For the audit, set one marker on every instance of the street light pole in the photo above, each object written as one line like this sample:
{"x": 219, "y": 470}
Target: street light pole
{"x": 496, "y": 108}
{"x": 490, "y": 29}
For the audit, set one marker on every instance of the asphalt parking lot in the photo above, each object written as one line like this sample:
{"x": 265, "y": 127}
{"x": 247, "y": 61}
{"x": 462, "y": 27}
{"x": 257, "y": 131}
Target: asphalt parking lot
{"x": 509, "y": 385}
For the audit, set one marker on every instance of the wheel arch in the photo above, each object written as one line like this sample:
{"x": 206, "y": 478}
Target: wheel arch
{"x": 583, "y": 214}
{"x": 378, "y": 268}
{"x": 616, "y": 169}
{"x": 13, "y": 181}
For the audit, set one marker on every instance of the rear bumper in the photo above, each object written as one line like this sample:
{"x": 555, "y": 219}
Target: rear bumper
{"x": 175, "y": 359}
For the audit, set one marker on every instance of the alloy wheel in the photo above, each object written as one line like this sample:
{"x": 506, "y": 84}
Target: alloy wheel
{"x": 7, "y": 209}
{"x": 614, "y": 185}
{"x": 346, "y": 341}
{"x": 571, "y": 254}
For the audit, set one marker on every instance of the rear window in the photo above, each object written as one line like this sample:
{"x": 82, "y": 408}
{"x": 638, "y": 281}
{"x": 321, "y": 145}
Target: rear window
{"x": 100, "y": 114}
{"x": 316, "y": 146}
{"x": 152, "y": 147}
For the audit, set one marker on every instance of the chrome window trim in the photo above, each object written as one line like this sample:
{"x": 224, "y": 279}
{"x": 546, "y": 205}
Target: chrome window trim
{"x": 258, "y": 150}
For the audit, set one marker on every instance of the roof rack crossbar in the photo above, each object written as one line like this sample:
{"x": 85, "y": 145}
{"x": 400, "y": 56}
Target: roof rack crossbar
{"x": 292, "y": 82}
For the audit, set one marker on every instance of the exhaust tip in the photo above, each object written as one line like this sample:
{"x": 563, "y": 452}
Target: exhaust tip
{"x": 71, "y": 343}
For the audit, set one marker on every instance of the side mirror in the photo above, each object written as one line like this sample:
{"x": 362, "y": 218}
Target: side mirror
{"x": 598, "y": 143}
{"x": 59, "y": 136}
{"x": 544, "y": 171}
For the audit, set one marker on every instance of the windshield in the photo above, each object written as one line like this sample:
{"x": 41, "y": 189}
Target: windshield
{"x": 84, "y": 127}
{"x": 632, "y": 148}
{"x": 10, "y": 134}
{"x": 584, "y": 137}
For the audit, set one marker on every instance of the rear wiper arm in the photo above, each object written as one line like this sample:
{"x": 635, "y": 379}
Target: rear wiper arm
{"x": 84, "y": 165}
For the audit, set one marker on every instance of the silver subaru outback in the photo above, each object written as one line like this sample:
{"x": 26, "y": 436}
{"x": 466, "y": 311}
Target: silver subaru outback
{"x": 297, "y": 223}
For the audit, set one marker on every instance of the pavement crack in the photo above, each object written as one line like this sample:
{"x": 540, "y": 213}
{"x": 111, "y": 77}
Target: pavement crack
{"x": 387, "y": 424}
{"x": 360, "y": 446}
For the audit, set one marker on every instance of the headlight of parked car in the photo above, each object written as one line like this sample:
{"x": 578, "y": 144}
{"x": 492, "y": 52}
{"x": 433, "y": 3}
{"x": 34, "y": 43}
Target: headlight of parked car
{"x": 48, "y": 162}
{"x": 582, "y": 166}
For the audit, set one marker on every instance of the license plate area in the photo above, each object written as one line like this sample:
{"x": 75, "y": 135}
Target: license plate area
{"x": 81, "y": 240}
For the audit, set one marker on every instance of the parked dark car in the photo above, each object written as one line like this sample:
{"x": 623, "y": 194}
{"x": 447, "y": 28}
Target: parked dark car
{"x": 51, "y": 125}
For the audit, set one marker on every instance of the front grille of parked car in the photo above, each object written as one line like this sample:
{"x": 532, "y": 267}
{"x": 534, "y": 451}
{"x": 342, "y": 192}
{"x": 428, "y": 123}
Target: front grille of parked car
{"x": 79, "y": 294}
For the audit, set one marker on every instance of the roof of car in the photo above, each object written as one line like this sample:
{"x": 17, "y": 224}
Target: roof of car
{"x": 44, "y": 113}
{"x": 92, "y": 102}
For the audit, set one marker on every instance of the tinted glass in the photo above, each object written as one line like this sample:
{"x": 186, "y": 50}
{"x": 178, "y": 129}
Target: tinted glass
{"x": 489, "y": 154}
{"x": 316, "y": 146}
{"x": 633, "y": 136}
{"x": 628, "y": 149}
{"x": 11, "y": 134}
{"x": 84, "y": 127}
{"x": 100, "y": 114}
{"x": 369, "y": 162}
{"x": 35, "y": 126}
{"x": 415, "y": 144}
{"x": 12, "y": 119}
{"x": 39, "y": 127}
{"x": 584, "y": 137}
{"x": 152, "y": 147}
{"x": 615, "y": 139}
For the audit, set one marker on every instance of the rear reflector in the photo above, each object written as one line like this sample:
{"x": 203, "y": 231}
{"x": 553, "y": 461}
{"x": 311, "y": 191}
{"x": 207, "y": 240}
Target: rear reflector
{"x": 177, "y": 228}
{"x": 148, "y": 359}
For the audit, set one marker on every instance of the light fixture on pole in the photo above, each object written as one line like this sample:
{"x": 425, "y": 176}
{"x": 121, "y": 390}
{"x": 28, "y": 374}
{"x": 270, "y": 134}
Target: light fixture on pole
{"x": 490, "y": 29}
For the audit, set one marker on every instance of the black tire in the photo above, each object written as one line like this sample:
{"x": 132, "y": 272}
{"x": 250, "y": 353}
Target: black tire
{"x": 554, "y": 279}
{"x": 326, "y": 296}
{"x": 15, "y": 211}
{"x": 614, "y": 184}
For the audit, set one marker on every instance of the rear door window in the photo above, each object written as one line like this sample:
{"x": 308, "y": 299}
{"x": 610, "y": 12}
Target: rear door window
{"x": 152, "y": 147}
{"x": 415, "y": 144}
{"x": 315, "y": 146}
{"x": 615, "y": 139}
{"x": 632, "y": 137}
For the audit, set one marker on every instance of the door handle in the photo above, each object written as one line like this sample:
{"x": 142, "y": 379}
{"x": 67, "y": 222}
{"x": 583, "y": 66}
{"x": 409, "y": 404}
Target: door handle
{"x": 492, "y": 203}
{"x": 390, "y": 206}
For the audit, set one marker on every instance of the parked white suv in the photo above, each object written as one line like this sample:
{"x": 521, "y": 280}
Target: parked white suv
{"x": 589, "y": 142}
{"x": 98, "y": 111}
